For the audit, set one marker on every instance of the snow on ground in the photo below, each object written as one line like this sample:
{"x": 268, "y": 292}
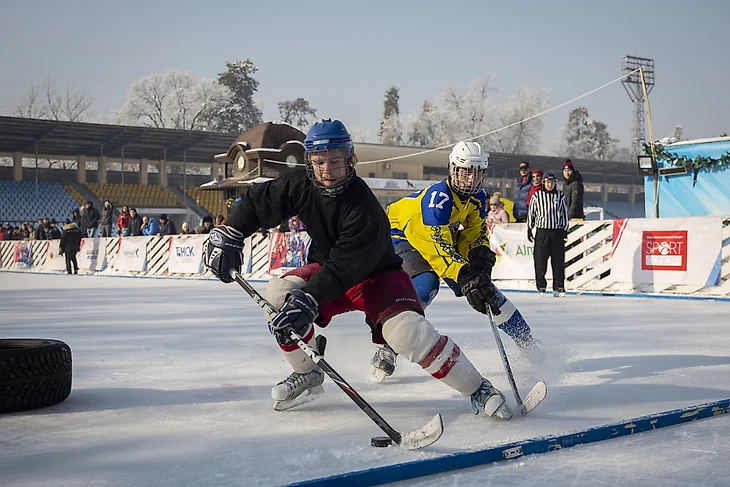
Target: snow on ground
{"x": 172, "y": 381}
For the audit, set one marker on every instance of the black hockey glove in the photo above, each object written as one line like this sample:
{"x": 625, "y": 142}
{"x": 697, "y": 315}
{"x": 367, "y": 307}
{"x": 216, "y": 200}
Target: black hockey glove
{"x": 483, "y": 259}
{"x": 477, "y": 286}
{"x": 530, "y": 238}
{"x": 297, "y": 314}
{"x": 223, "y": 252}
{"x": 565, "y": 236}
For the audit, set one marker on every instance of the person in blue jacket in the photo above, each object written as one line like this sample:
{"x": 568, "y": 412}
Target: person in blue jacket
{"x": 150, "y": 227}
{"x": 522, "y": 190}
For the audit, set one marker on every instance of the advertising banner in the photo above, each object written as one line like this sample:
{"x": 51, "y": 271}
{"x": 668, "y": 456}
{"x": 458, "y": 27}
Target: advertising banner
{"x": 514, "y": 251}
{"x": 54, "y": 261}
{"x": 131, "y": 254}
{"x": 185, "y": 254}
{"x": 667, "y": 251}
{"x": 92, "y": 255}
{"x": 287, "y": 251}
{"x": 22, "y": 255}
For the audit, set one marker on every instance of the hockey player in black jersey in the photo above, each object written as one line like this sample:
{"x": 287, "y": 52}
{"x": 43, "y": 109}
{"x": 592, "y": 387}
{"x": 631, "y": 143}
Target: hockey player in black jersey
{"x": 351, "y": 266}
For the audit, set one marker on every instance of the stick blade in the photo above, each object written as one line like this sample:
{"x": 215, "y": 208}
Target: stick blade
{"x": 535, "y": 397}
{"x": 424, "y": 436}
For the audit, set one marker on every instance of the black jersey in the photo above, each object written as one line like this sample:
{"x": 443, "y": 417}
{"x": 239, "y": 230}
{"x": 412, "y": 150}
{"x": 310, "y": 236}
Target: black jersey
{"x": 350, "y": 232}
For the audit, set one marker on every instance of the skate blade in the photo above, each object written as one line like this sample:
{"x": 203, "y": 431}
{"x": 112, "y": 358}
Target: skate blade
{"x": 424, "y": 436}
{"x": 376, "y": 375}
{"x": 496, "y": 406}
{"x": 307, "y": 396}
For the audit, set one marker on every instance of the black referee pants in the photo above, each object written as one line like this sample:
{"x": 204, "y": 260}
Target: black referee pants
{"x": 549, "y": 244}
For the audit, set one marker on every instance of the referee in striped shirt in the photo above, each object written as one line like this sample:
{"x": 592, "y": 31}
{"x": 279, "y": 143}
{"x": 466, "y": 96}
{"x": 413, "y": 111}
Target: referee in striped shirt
{"x": 548, "y": 214}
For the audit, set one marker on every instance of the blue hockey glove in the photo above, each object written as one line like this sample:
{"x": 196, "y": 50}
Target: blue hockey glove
{"x": 477, "y": 286}
{"x": 223, "y": 252}
{"x": 297, "y": 314}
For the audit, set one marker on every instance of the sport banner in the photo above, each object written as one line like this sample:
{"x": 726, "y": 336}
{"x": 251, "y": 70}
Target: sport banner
{"x": 54, "y": 261}
{"x": 514, "y": 251}
{"x": 22, "y": 255}
{"x": 185, "y": 254}
{"x": 131, "y": 254}
{"x": 287, "y": 251}
{"x": 667, "y": 251}
{"x": 92, "y": 255}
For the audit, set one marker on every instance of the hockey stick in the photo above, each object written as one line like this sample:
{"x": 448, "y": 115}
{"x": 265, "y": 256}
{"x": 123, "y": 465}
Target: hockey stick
{"x": 424, "y": 436}
{"x": 538, "y": 392}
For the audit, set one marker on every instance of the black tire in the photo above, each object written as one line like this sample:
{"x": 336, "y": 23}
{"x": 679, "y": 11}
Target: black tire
{"x": 34, "y": 373}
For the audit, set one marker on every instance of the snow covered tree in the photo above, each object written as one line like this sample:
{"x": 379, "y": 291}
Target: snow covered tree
{"x": 175, "y": 99}
{"x": 391, "y": 129}
{"x": 243, "y": 113}
{"x": 297, "y": 112}
{"x": 45, "y": 102}
{"x": 523, "y": 138}
{"x": 587, "y": 139}
{"x": 423, "y": 128}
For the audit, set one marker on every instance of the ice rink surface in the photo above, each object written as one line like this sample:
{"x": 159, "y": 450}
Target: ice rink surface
{"x": 172, "y": 384}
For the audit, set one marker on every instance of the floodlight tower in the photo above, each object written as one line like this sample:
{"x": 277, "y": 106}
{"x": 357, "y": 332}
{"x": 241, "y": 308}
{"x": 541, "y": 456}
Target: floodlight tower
{"x": 633, "y": 86}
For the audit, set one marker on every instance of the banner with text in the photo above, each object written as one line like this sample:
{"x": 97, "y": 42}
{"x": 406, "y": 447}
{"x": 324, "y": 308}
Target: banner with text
{"x": 514, "y": 251}
{"x": 23, "y": 255}
{"x": 92, "y": 255}
{"x": 54, "y": 261}
{"x": 185, "y": 254}
{"x": 667, "y": 251}
{"x": 287, "y": 251}
{"x": 131, "y": 254}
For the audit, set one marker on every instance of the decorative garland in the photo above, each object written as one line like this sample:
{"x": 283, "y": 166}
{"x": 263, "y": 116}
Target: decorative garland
{"x": 699, "y": 163}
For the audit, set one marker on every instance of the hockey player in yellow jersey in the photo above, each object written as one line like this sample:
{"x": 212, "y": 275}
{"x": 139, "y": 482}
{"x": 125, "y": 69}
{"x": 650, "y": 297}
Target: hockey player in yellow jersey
{"x": 441, "y": 233}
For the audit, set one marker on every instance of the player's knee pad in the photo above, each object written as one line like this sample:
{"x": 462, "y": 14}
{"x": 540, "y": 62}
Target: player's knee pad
{"x": 410, "y": 334}
{"x": 427, "y": 287}
{"x": 278, "y": 288}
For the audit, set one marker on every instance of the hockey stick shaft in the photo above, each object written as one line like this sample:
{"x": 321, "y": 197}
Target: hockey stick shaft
{"x": 322, "y": 363}
{"x": 503, "y": 354}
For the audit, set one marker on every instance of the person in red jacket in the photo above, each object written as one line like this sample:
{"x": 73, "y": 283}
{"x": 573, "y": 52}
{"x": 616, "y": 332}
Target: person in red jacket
{"x": 536, "y": 185}
{"x": 123, "y": 221}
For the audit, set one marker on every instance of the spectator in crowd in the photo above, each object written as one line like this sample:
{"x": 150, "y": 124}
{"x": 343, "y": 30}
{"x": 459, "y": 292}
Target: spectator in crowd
{"x": 294, "y": 224}
{"x": 107, "y": 215}
{"x": 53, "y": 232}
{"x": 219, "y": 220}
{"x": 185, "y": 229}
{"x": 549, "y": 215}
{"x": 123, "y": 222}
{"x": 40, "y": 230}
{"x": 92, "y": 219}
{"x": 573, "y": 190}
{"x": 536, "y": 185}
{"x": 207, "y": 224}
{"x": 497, "y": 213}
{"x": 135, "y": 223}
{"x": 150, "y": 227}
{"x": 167, "y": 226}
{"x": 4, "y": 232}
{"x": 26, "y": 231}
{"x": 522, "y": 189}
{"x": 70, "y": 245}
{"x": 200, "y": 229}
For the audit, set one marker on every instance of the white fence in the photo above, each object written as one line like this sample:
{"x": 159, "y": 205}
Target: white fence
{"x": 595, "y": 261}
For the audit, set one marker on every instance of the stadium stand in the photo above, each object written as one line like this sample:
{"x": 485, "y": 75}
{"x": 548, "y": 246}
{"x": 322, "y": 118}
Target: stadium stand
{"x": 210, "y": 201}
{"x": 75, "y": 194}
{"x": 18, "y": 202}
{"x": 135, "y": 195}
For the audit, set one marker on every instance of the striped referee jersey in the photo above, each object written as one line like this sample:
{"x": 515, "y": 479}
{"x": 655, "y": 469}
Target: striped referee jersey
{"x": 548, "y": 210}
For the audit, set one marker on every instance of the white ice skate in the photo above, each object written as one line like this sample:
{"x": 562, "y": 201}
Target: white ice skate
{"x": 382, "y": 364}
{"x": 489, "y": 400}
{"x": 297, "y": 389}
{"x": 559, "y": 293}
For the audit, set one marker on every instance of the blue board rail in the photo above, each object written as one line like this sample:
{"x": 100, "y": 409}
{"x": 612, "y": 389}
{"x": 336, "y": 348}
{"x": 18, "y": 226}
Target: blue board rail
{"x": 422, "y": 468}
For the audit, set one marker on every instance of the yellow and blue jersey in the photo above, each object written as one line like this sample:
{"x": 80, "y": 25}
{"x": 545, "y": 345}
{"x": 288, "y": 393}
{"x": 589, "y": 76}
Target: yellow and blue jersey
{"x": 427, "y": 220}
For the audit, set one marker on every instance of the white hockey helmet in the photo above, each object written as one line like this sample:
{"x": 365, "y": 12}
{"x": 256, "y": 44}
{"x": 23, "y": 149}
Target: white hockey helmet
{"x": 467, "y": 168}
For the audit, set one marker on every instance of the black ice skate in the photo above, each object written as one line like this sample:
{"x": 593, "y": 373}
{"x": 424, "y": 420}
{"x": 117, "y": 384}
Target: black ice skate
{"x": 297, "y": 389}
{"x": 382, "y": 364}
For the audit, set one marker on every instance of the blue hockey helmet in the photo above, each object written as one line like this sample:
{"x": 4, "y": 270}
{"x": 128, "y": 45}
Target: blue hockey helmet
{"x": 324, "y": 136}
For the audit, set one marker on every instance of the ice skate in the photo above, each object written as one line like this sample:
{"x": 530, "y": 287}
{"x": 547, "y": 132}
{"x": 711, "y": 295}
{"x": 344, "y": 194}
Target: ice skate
{"x": 559, "y": 293}
{"x": 489, "y": 400}
{"x": 541, "y": 291}
{"x": 297, "y": 389}
{"x": 382, "y": 364}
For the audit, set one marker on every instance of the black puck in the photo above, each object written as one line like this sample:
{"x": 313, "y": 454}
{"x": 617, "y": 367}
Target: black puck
{"x": 381, "y": 441}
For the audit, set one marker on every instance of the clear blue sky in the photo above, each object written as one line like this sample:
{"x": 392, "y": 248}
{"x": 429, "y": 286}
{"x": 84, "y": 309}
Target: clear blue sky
{"x": 342, "y": 56}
